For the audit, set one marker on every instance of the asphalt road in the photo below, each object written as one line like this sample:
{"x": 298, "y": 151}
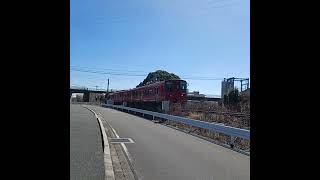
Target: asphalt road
{"x": 86, "y": 153}
{"x": 160, "y": 152}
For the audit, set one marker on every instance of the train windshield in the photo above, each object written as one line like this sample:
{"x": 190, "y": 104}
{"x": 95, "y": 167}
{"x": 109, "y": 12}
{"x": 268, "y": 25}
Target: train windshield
{"x": 183, "y": 86}
{"x": 169, "y": 86}
{"x": 178, "y": 86}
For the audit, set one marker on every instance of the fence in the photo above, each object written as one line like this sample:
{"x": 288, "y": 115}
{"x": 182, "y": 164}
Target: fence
{"x": 231, "y": 131}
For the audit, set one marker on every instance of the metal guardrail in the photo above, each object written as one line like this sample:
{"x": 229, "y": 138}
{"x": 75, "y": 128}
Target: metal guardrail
{"x": 231, "y": 131}
{"x": 226, "y": 113}
{"x": 85, "y": 88}
{"x": 85, "y": 103}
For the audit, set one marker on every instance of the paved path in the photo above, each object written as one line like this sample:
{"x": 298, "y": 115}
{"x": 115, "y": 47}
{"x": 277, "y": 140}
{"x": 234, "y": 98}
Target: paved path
{"x": 86, "y": 153}
{"x": 160, "y": 152}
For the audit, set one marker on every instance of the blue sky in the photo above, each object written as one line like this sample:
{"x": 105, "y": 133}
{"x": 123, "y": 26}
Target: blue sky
{"x": 191, "y": 38}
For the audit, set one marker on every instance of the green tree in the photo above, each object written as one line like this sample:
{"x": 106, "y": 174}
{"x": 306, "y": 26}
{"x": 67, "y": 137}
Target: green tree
{"x": 232, "y": 100}
{"x": 157, "y": 76}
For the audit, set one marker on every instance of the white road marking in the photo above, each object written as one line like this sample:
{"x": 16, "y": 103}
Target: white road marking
{"x": 109, "y": 173}
{"x": 126, "y": 151}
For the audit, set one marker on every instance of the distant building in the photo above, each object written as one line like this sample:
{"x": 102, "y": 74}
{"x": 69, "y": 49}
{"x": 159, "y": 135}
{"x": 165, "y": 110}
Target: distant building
{"x": 79, "y": 98}
{"x": 96, "y": 97}
{"x": 196, "y": 96}
{"x": 227, "y": 86}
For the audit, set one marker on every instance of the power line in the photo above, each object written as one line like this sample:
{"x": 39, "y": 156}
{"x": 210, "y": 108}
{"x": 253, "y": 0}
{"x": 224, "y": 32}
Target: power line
{"x": 88, "y": 69}
{"x": 130, "y": 74}
{"x": 205, "y": 79}
{"x": 106, "y": 69}
{"x": 108, "y": 73}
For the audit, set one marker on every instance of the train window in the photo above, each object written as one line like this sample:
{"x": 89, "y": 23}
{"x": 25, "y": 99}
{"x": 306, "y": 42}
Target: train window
{"x": 183, "y": 86}
{"x": 169, "y": 86}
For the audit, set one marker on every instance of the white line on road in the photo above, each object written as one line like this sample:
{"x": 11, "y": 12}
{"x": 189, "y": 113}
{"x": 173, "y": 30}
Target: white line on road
{"x": 126, "y": 151}
{"x": 109, "y": 173}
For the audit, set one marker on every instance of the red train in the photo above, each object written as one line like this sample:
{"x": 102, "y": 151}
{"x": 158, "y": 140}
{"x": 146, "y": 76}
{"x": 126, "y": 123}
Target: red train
{"x": 151, "y": 97}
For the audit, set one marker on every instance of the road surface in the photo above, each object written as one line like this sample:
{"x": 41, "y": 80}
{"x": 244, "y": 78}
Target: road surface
{"x": 86, "y": 153}
{"x": 160, "y": 152}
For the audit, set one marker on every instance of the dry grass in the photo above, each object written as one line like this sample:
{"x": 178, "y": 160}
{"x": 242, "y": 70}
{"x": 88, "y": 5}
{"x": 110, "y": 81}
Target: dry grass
{"x": 190, "y": 109}
{"x": 226, "y": 120}
{"x": 192, "y": 115}
{"x": 221, "y": 138}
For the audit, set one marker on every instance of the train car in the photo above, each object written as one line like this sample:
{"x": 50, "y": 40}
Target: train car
{"x": 151, "y": 97}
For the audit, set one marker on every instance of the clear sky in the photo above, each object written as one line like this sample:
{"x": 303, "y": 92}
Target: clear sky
{"x": 191, "y": 38}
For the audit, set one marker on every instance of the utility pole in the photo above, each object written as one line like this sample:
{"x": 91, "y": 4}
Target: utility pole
{"x": 107, "y": 95}
{"x": 97, "y": 88}
{"x": 108, "y": 86}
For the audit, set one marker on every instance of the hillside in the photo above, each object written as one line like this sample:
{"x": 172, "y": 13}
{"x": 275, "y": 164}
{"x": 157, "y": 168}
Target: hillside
{"x": 157, "y": 76}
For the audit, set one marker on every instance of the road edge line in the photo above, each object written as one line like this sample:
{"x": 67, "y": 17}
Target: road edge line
{"x": 125, "y": 150}
{"x": 109, "y": 172}
{"x": 128, "y": 156}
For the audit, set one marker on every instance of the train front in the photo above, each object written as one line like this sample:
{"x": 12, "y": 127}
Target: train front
{"x": 176, "y": 91}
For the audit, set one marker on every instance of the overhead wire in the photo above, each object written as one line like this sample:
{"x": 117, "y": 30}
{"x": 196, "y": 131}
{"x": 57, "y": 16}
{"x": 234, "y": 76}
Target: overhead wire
{"x": 130, "y": 74}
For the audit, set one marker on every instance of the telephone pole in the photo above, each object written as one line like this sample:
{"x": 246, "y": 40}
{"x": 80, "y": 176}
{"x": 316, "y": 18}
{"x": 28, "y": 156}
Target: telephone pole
{"x": 107, "y": 95}
{"x": 108, "y": 86}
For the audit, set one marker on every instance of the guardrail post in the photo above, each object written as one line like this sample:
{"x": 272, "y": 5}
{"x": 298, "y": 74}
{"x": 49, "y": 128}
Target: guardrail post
{"x": 232, "y": 142}
{"x": 190, "y": 128}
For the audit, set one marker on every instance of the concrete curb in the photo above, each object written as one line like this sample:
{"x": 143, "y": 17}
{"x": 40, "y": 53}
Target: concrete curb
{"x": 109, "y": 173}
{"x": 128, "y": 156}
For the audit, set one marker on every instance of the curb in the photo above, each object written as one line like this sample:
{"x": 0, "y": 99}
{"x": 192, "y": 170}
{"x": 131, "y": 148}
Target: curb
{"x": 109, "y": 173}
{"x": 128, "y": 156}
